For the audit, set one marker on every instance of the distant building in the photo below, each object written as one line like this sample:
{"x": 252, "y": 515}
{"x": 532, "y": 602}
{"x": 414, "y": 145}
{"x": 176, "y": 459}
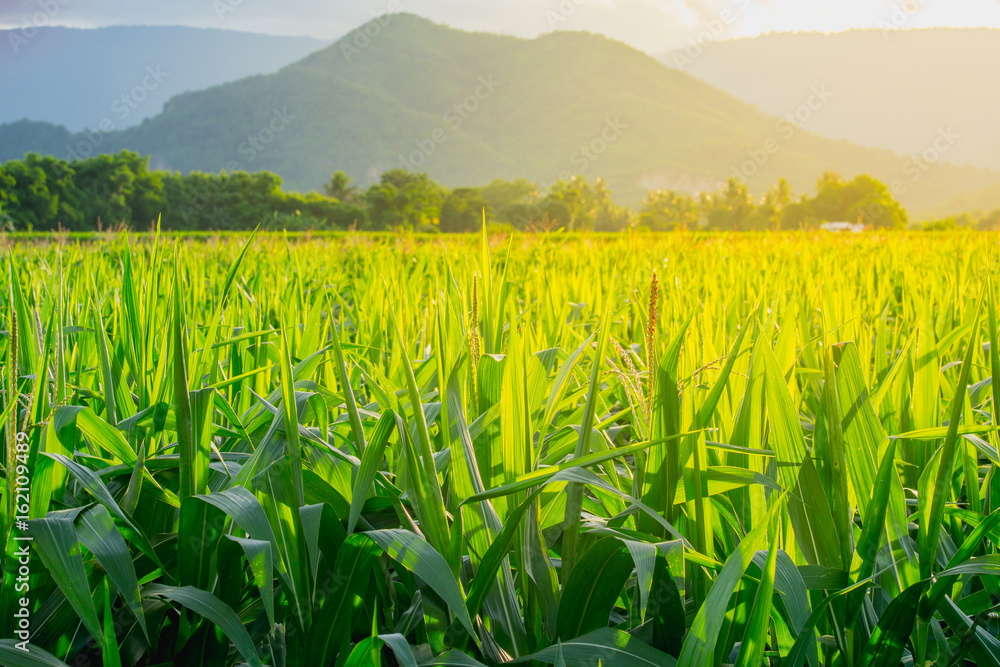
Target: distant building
{"x": 855, "y": 227}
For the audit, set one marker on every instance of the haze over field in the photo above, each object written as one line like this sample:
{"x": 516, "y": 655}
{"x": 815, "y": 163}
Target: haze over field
{"x": 476, "y": 333}
{"x": 654, "y": 26}
{"x": 470, "y": 107}
{"x": 893, "y": 90}
{"x": 119, "y": 76}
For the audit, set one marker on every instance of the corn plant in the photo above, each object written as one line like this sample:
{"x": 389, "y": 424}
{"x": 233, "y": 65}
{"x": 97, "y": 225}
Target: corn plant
{"x": 571, "y": 450}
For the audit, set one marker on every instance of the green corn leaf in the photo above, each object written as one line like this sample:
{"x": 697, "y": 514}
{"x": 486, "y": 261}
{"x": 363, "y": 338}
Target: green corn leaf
{"x": 95, "y": 486}
{"x": 544, "y": 474}
{"x": 332, "y": 624}
{"x": 886, "y": 645}
{"x": 12, "y": 656}
{"x": 98, "y": 432}
{"x": 755, "y": 636}
{"x": 371, "y": 458}
{"x": 429, "y": 491}
{"x": 699, "y": 647}
{"x": 366, "y": 653}
{"x": 212, "y": 609}
{"x": 613, "y": 648}
{"x": 451, "y": 659}
{"x": 591, "y": 589}
{"x": 261, "y": 561}
{"x": 574, "y": 493}
{"x": 400, "y": 648}
{"x": 936, "y": 492}
{"x": 110, "y": 655}
{"x": 56, "y": 544}
{"x": 96, "y": 531}
{"x": 419, "y": 557}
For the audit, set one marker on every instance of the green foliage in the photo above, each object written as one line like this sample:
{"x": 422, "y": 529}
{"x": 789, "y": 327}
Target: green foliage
{"x": 405, "y": 200}
{"x": 571, "y": 204}
{"x": 106, "y": 191}
{"x": 340, "y": 188}
{"x": 863, "y": 200}
{"x": 296, "y": 453}
{"x": 986, "y": 222}
{"x": 463, "y": 210}
{"x": 666, "y": 210}
{"x": 241, "y": 201}
{"x": 729, "y": 207}
{"x": 500, "y": 194}
{"x": 39, "y": 193}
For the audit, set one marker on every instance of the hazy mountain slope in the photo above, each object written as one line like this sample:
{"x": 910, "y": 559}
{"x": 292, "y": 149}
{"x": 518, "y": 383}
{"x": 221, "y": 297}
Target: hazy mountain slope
{"x": 541, "y": 103}
{"x": 25, "y": 136}
{"x": 77, "y": 78}
{"x": 893, "y": 90}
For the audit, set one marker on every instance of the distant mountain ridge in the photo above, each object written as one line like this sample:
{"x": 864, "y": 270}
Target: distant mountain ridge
{"x": 471, "y": 107}
{"x": 119, "y": 76}
{"x": 890, "y": 89}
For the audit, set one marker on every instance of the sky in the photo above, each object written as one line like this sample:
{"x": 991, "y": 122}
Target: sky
{"x": 651, "y": 25}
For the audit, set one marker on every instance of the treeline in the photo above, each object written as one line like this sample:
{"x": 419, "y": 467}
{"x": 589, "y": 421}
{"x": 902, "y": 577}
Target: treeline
{"x": 45, "y": 193}
{"x": 980, "y": 221}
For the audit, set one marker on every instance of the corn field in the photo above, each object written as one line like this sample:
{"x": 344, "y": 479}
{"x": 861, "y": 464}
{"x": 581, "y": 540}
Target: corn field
{"x": 571, "y": 450}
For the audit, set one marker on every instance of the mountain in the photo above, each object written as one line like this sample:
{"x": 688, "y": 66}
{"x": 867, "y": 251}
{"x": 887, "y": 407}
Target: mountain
{"x": 470, "y": 107}
{"x": 889, "y": 89}
{"x": 121, "y": 75}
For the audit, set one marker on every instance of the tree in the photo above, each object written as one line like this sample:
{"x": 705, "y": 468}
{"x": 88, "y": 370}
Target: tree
{"x": 950, "y": 223}
{"x": 828, "y": 178}
{"x": 404, "y": 199}
{"x": 6, "y": 223}
{"x": 462, "y": 210}
{"x": 990, "y": 221}
{"x": 768, "y": 214}
{"x": 798, "y": 215}
{"x": 42, "y": 194}
{"x": 862, "y": 199}
{"x": 7, "y": 183}
{"x": 582, "y": 206}
{"x": 665, "y": 210}
{"x": 778, "y": 196}
{"x": 729, "y": 207}
{"x": 340, "y": 188}
{"x": 118, "y": 188}
{"x": 500, "y": 194}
